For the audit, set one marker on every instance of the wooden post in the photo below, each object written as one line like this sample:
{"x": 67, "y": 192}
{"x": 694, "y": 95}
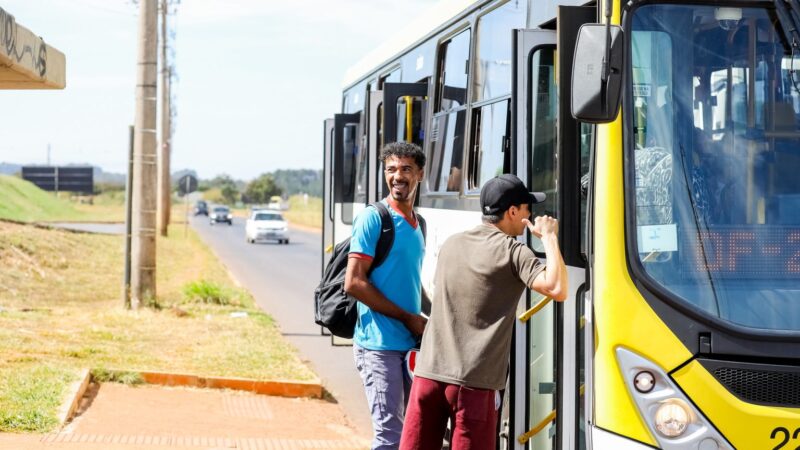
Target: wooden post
{"x": 164, "y": 180}
{"x": 143, "y": 279}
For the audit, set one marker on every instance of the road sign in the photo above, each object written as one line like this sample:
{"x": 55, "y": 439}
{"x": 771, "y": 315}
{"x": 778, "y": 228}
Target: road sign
{"x": 187, "y": 184}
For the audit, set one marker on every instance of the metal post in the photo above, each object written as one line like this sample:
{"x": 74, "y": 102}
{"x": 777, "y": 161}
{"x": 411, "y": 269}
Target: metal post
{"x": 145, "y": 173}
{"x": 126, "y": 284}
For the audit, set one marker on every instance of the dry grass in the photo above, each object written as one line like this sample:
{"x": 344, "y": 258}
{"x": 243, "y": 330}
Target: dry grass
{"x": 302, "y": 213}
{"x": 61, "y": 310}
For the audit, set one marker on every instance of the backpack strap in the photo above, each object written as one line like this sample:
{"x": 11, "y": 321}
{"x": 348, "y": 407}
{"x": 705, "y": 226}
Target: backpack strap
{"x": 386, "y": 238}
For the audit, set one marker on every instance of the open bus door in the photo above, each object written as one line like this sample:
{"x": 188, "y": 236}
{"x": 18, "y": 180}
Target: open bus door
{"x": 327, "y": 193}
{"x": 345, "y": 148}
{"x": 530, "y": 401}
{"x": 327, "y": 197}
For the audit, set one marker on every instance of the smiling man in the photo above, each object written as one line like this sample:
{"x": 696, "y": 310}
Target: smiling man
{"x": 389, "y": 322}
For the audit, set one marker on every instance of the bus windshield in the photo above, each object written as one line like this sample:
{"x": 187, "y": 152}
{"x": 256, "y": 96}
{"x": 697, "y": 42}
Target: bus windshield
{"x": 716, "y": 160}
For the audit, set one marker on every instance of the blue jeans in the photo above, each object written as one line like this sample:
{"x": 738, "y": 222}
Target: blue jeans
{"x": 387, "y": 386}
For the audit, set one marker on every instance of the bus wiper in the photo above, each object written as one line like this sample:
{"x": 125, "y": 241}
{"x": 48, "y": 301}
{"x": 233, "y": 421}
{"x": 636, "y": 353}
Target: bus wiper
{"x": 790, "y": 22}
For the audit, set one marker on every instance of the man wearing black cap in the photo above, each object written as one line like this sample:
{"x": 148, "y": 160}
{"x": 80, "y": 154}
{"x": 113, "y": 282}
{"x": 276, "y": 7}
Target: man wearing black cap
{"x": 480, "y": 276}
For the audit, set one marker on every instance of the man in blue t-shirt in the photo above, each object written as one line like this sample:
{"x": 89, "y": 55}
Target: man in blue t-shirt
{"x": 389, "y": 320}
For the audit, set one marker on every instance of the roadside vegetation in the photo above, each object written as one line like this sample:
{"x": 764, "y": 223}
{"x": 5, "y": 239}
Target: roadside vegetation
{"x": 61, "y": 310}
{"x": 21, "y": 200}
{"x": 304, "y": 213}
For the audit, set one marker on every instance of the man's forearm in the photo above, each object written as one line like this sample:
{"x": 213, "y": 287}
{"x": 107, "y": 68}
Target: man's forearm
{"x": 370, "y": 296}
{"x": 556, "y": 271}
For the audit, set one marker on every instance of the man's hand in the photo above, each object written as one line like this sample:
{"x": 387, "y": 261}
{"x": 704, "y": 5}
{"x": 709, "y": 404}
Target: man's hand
{"x": 542, "y": 225}
{"x": 415, "y": 324}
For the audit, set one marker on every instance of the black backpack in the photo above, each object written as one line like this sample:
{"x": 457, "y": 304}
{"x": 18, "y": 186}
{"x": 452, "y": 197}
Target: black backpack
{"x": 333, "y": 308}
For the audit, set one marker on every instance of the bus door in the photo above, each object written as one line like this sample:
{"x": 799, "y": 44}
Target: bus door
{"x": 374, "y": 142}
{"x": 403, "y": 122}
{"x": 327, "y": 198}
{"x": 550, "y": 158}
{"x": 327, "y": 193}
{"x": 346, "y": 151}
{"x": 533, "y": 377}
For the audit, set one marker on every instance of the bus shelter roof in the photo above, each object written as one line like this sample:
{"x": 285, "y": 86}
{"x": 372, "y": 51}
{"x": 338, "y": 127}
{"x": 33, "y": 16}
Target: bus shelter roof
{"x": 26, "y": 61}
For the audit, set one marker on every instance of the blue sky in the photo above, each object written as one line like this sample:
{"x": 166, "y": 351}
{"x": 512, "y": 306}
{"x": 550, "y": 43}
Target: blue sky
{"x": 255, "y": 80}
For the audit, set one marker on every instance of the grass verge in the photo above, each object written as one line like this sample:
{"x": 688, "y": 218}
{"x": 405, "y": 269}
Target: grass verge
{"x": 304, "y": 213}
{"x": 60, "y": 310}
{"x": 23, "y": 201}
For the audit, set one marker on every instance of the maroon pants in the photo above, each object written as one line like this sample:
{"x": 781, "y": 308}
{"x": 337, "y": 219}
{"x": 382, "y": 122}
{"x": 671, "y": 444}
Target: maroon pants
{"x": 472, "y": 413}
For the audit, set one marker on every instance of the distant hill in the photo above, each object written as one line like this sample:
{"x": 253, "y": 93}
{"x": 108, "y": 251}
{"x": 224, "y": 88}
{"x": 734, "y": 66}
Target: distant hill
{"x": 9, "y": 168}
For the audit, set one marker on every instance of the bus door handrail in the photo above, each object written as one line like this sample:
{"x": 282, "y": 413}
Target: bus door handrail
{"x": 524, "y": 317}
{"x": 525, "y": 437}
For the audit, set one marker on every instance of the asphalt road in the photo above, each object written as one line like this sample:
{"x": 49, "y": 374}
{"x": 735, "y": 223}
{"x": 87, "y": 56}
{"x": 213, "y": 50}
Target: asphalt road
{"x": 282, "y": 279}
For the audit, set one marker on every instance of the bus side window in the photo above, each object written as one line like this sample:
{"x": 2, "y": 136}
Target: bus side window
{"x": 490, "y": 152}
{"x": 446, "y": 154}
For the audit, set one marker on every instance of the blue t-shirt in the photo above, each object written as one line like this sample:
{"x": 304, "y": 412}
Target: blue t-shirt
{"x": 398, "y": 278}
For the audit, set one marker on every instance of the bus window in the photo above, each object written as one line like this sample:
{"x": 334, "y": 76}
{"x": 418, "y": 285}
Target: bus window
{"x": 411, "y": 119}
{"x": 490, "y": 154}
{"x": 492, "y": 75}
{"x": 351, "y": 157}
{"x": 453, "y": 72}
{"x": 542, "y": 145}
{"x": 587, "y": 145}
{"x": 491, "y": 127}
{"x": 447, "y": 148}
{"x": 446, "y": 154}
{"x": 393, "y": 77}
{"x": 360, "y": 170}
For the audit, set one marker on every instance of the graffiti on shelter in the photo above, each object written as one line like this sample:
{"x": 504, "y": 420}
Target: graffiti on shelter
{"x": 10, "y": 46}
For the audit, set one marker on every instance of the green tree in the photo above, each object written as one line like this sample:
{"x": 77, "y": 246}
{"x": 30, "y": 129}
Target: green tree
{"x": 261, "y": 189}
{"x": 296, "y": 181}
{"x": 228, "y": 188}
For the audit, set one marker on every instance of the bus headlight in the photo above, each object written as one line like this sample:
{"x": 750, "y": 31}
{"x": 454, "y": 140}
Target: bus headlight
{"x": 674, "y": 422}
{"x": 672, "y": 417}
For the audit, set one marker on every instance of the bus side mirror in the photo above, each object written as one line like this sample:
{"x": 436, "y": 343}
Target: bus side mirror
{"x": 596, "y": 84}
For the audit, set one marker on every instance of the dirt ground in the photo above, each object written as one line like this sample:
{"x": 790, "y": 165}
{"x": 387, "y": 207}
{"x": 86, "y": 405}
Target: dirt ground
{"x": 118, "y": 417}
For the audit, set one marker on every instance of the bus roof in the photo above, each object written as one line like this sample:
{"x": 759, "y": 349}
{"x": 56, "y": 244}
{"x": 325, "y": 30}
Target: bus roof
{"x": 416, "y": 31}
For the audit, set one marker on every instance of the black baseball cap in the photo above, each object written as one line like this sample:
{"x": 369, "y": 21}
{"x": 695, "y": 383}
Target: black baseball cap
{"x": 505, "y": 191}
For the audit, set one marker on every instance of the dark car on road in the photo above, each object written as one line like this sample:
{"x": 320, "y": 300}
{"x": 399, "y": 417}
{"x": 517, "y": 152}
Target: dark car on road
{"x": 221, "y": 214}
{"x": 201, "y": 208}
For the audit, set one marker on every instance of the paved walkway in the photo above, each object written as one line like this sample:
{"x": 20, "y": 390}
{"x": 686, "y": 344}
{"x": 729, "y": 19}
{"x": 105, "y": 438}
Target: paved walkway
{"x": 117, "y": 417}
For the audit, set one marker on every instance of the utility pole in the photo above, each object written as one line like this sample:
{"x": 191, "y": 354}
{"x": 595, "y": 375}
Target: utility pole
{"x": 164, "y": 181}
{"x": 143, "y": 278}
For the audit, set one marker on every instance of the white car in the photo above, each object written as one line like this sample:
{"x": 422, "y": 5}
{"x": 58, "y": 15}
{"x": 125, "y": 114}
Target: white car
{"x": 268, "y": 226}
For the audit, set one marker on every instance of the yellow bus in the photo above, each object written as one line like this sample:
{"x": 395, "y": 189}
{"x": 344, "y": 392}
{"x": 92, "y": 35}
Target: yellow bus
{"x": 666, "y": 137}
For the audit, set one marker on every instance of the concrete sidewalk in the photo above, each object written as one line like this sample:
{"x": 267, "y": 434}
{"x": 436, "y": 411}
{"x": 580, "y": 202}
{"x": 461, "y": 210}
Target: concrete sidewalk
{"x": 118, "y": 417}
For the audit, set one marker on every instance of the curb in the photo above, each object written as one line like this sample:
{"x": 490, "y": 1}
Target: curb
{"x": 278, "y": 388}
{"x": 76, "y": 392}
